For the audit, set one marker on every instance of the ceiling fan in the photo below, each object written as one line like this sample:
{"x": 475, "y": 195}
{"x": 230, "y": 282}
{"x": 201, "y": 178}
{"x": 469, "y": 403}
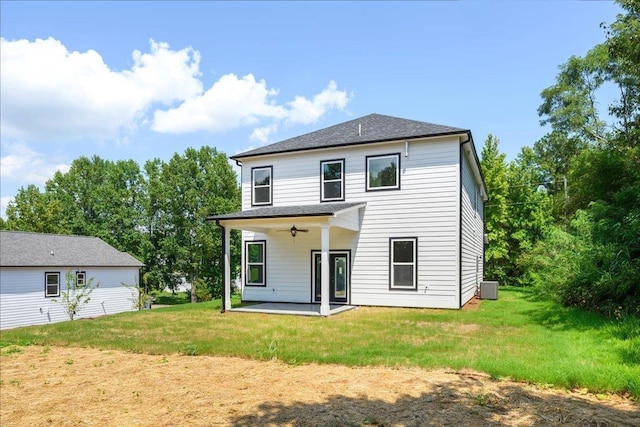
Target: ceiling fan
{"x": 294, "y": 230}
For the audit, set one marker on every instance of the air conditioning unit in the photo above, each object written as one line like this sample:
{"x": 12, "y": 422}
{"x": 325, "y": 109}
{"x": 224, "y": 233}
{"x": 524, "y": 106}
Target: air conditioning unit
{"x": 489, "y": 290}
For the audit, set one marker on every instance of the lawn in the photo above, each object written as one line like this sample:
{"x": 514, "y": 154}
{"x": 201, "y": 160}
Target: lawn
{"x": 516, "y": 337}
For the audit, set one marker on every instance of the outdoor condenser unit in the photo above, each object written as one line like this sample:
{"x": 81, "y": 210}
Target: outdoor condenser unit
{"x": 489, "y": 290}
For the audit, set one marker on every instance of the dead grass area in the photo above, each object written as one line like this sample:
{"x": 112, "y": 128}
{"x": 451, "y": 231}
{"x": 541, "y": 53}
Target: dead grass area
{"x": 472, "y": 304}
{"x": 55, "y": 386}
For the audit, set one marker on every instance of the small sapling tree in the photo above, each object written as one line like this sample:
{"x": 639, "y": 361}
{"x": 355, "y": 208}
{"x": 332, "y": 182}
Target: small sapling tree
{"x": 77, "y": 295}
{"x": 139, "y": 296}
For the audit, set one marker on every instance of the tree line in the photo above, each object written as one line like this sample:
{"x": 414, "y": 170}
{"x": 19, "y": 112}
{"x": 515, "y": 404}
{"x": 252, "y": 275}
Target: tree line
{"x": 564, "y": 216}
{"x": 156, "y": 213}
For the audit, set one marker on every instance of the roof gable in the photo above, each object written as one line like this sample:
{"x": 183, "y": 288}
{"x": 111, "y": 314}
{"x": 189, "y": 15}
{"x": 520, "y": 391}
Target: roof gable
{"x": 25, "y": 249}
{"x": 367, "y": 129}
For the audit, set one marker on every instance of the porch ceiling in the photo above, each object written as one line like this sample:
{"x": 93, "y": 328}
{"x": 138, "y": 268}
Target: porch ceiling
{"x": 343, "y": 215}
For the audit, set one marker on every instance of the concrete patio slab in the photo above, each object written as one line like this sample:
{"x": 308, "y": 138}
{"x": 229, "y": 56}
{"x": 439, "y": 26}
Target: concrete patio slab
{"x": 291, "y": 308}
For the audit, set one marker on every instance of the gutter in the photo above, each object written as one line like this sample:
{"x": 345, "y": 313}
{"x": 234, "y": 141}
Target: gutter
{"x": 477, "y": 171}
{"x": 347, "y": 144}
{"x": 475, "y": 166}
{"x": 459, "y": 236}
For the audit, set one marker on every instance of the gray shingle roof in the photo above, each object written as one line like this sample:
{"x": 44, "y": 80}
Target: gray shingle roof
{"x": 288, "y": 211}
{"x": 367, "y": 129}
{"x": 23, "y": 249}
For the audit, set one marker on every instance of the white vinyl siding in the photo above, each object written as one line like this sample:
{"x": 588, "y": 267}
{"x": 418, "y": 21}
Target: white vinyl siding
{"x": 426, "y": 206}
{"x": 471, "y": 235}
{"x": 22, "y": 300}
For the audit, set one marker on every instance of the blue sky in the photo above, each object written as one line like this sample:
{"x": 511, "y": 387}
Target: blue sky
{"x": 139, "y": 80}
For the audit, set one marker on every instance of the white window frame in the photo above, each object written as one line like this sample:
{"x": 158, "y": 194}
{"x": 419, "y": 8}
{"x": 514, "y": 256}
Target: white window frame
{"x": 46, "y": 284}
{"x": 393, "y": 263}
{"x": 254, "y": 186}
{"x": 396, "y": 156}
{"x": 81, "y": 279}
{"x": 263, "y": 263}
{"x": 324, "y": 181}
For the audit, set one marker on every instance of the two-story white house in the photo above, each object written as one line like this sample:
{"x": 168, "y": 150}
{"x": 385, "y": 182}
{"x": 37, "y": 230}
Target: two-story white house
{"x": 377, "y": 211}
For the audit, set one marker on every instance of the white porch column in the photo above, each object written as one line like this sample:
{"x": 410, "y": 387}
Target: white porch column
{"x": 324, "y": 283}
{"x": 227, "y": 269}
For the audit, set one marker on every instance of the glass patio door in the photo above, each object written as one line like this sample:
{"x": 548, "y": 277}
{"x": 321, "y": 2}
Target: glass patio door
{"x": 338, "y": 277}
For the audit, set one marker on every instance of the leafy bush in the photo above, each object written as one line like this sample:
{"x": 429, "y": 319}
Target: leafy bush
{"x": 203, "y": 290}
{"x": 550, "y": 267}
{"x": 596, "y": 266}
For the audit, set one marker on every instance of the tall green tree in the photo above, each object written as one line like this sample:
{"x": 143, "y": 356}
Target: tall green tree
{"x": 529, "y": 207}
{"x": 623, "y": 47}
{"x": 182, "y": 193}
{"x": 604, "y": 177}
{"x": 104, "y": 199}
{"x": 570, "y": 105}
{"x": 496, "y": 210}
{"x": 33, "y": 210}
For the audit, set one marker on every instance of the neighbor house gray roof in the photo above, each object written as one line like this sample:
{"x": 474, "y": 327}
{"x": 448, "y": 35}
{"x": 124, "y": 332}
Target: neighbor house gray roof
{"x": 23, "y": 249}
{"x": 367, "y": 129}
{"x": 324, "y": 209}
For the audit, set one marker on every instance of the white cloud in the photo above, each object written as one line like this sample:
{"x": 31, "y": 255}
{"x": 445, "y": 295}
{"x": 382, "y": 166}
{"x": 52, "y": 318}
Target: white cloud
{"x": 230, "y": 103}
{"x": 234, "y": 102}
{"x": 306, "y": 111}
{"x": 49, "y": 92}
{"x": 26, "y": 166}
{"x": 262, "y": 134}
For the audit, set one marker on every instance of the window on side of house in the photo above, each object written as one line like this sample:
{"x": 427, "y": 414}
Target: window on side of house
{"x": 81, "y": 279}
{"x": 332, "y": 180}
{"x": 256, "y": 260}
{"x": 403, "y": 263}
{"x": 261, "y": 186}
{"x": 383, "y": 172}
{"x": 52, "y": 284}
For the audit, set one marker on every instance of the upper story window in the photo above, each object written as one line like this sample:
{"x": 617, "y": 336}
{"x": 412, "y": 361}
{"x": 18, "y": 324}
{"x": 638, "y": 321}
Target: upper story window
{"x": 332, "y": 180}
{"x": 261, "y": 186}
{"x": 383, "y": 172}
{"x": 51, "y": 284}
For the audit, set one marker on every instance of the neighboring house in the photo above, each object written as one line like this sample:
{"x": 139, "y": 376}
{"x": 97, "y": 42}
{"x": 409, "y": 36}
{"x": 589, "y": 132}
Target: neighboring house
{"x": 374, "y": 211}
{"x": 33, "y": 269}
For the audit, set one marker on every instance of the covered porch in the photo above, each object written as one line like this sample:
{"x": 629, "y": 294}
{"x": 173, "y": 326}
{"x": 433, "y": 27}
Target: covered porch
{"x": 315, "y": 222}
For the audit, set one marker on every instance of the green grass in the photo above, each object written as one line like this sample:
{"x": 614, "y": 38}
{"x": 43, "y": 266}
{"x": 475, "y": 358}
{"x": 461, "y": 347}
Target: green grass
{"x": 516, "y": 337}
{"x": 168, "y": 298}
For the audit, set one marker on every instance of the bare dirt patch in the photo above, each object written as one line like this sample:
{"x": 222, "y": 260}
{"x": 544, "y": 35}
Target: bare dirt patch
{"x": 87, "y": 387}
